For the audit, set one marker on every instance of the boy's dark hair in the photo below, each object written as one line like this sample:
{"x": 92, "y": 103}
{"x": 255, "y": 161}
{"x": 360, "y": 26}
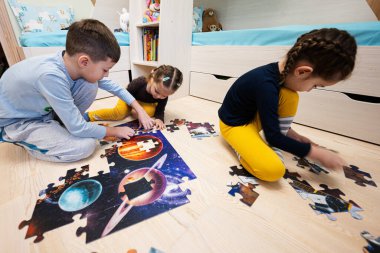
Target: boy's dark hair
{"x": 93, "y": 38}
{"x": 170, "y": 76}
{"x": 330, "y": 51}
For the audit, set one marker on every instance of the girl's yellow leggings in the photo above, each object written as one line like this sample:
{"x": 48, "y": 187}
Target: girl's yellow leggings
{"x": 256, "y": 156}
{"x": 120, "y": 111}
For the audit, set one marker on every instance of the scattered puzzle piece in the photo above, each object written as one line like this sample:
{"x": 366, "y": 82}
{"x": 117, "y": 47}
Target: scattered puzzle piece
{"x": 354, "y": 173}
{"x": 247, "y": 192}
{"x": 313, "y": 167}
{"x": 179, "y": 122}
{"x": 243, "y": 174}
{"x": 325, "y": 201}
{"x": 373, "y": 242}
{"x": 171, "y": 128}
{"x": 200, "y": 130}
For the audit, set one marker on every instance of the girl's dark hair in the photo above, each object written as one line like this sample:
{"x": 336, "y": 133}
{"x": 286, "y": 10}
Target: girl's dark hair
{"x": 93, "y": 38}
{"x": 330, "y": 51}
{"x": 170, "y": 76}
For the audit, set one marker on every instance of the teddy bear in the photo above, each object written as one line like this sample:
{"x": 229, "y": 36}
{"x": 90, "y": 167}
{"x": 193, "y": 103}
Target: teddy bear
{"x": 152, "y": 13}
{"x": 210, "y": 21}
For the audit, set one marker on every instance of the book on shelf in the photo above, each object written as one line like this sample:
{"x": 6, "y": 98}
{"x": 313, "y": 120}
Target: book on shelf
{"x": 150, "y": 43}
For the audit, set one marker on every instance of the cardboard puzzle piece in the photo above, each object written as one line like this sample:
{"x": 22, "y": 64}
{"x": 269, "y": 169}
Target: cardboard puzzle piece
{"x": 243, "y": 174}
{"x": 179, "y": 122}
{"x": 373, "y": 243}
{"x": 354, "y": 173}
{"x": 200, "y": 130}
{"x": 325, "y": 201}
{"x": 313, "y": 167}
{"x": 249, "y": 196}
{"x": 171, "y": 128}
{"x": 151, "y": 250}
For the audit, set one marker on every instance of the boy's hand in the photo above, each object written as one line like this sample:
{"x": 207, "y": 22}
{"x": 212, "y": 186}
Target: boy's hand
{"x": 121, "y": 132}
{"x": 326, "y": 158}
{"x": 158, "y": 124}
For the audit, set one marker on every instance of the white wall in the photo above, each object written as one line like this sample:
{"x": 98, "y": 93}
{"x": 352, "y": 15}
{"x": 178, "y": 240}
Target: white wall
{"x": 245, "y": 14}
{"x": 106, "y": 11}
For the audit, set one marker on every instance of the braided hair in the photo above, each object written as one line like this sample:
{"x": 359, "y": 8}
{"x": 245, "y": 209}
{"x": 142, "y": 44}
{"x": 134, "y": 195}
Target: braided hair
{"x": 330, "y": 51}
{"x": 170, "y": 76}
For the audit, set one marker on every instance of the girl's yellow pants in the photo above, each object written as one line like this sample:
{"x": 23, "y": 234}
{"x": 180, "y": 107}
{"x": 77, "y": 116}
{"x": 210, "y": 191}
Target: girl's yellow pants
{"x": 256, "y": 156}
{"x": 120, "y": 111}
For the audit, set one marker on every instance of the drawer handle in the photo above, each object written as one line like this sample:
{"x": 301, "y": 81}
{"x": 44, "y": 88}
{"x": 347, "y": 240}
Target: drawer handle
{"x": 363, "y": 98}
{"x": 222, "y": 77}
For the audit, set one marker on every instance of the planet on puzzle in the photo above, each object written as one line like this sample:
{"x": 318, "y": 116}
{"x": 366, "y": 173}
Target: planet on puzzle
{"x": 150, "y": 182}
{"x": 80, "y": 195}
{"x": 140, "y": 147}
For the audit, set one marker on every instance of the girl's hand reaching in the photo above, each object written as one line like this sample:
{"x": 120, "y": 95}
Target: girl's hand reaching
{"x": 145, "y": 121}
{"x": 326, "y": 157}
{"x": 158, "y": 124}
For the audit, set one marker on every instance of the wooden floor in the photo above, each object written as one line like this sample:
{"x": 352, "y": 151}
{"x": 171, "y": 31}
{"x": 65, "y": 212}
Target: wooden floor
{"x": 214, "y": 221}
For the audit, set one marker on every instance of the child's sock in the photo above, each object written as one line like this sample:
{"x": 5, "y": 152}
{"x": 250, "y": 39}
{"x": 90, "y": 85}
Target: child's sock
{"x": 86, "y": 117}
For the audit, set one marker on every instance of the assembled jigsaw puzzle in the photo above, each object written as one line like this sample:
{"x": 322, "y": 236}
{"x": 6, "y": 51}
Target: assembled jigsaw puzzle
{"x": 144, "y": 180}
{"x": 358, "y": 176}
{"x": 326, "y": 201}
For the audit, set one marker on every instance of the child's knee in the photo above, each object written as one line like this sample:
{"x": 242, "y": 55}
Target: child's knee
{"x": 81, "y": 149}
{"x": 273, "y": 173}
{"x": 270, "y": 172}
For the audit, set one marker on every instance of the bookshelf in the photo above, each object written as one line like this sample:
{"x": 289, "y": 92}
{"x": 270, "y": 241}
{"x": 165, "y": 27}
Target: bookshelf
{"x": 174, "y": 43}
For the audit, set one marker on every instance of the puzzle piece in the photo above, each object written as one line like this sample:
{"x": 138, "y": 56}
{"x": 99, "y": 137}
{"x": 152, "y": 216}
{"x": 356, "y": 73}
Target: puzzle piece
{"x": 178, "y": 122}
{"x": 325, "y": 201}
{"x": 239, "y": 171}
{"x": 200, "y": 130}
{"x": 171, "y": 128}
{"x": 354, "y": 173}
{"x": 373, "y": 242}
{"x": 249, "y": 196}
{"x": 313, "y": 167}
{"x": 243, "y": 175}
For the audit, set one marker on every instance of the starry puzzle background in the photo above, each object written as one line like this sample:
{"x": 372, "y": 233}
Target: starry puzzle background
{"x": 164, "y": 183}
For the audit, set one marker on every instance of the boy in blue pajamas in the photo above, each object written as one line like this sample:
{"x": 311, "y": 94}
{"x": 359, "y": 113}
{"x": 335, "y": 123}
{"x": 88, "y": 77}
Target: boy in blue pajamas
{"x": 65, "y": 84}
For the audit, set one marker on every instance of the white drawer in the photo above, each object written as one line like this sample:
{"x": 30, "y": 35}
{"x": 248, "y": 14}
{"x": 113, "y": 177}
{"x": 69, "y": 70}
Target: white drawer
{"x": 120, "y": 77}
{"x": 366, "y": 75}
{"x": 210, "y": 86}
{"x": 336, "y": 112}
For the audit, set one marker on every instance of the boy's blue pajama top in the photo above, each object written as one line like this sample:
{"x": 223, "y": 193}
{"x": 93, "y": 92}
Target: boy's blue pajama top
{"x": 32, "y": 88}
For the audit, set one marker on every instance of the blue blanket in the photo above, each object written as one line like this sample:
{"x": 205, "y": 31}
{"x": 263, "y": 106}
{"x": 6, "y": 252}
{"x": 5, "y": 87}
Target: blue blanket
{"x": 365, "y": 33}
{"x": 58, "y": 39}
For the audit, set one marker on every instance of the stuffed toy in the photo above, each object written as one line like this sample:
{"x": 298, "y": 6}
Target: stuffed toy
{"x": 124, "y": 20}
{"x": 152, "y": 13}
{"x": 210, "y": 21}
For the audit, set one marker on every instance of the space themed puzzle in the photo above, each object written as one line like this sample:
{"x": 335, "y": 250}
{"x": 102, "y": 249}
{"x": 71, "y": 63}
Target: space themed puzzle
{"x": 145, "y": 173}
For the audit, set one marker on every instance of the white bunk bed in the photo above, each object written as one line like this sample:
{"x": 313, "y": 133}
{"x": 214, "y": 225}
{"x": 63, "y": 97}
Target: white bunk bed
{"x": 350, "y": 108}
{"x": 39, "y": 43}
